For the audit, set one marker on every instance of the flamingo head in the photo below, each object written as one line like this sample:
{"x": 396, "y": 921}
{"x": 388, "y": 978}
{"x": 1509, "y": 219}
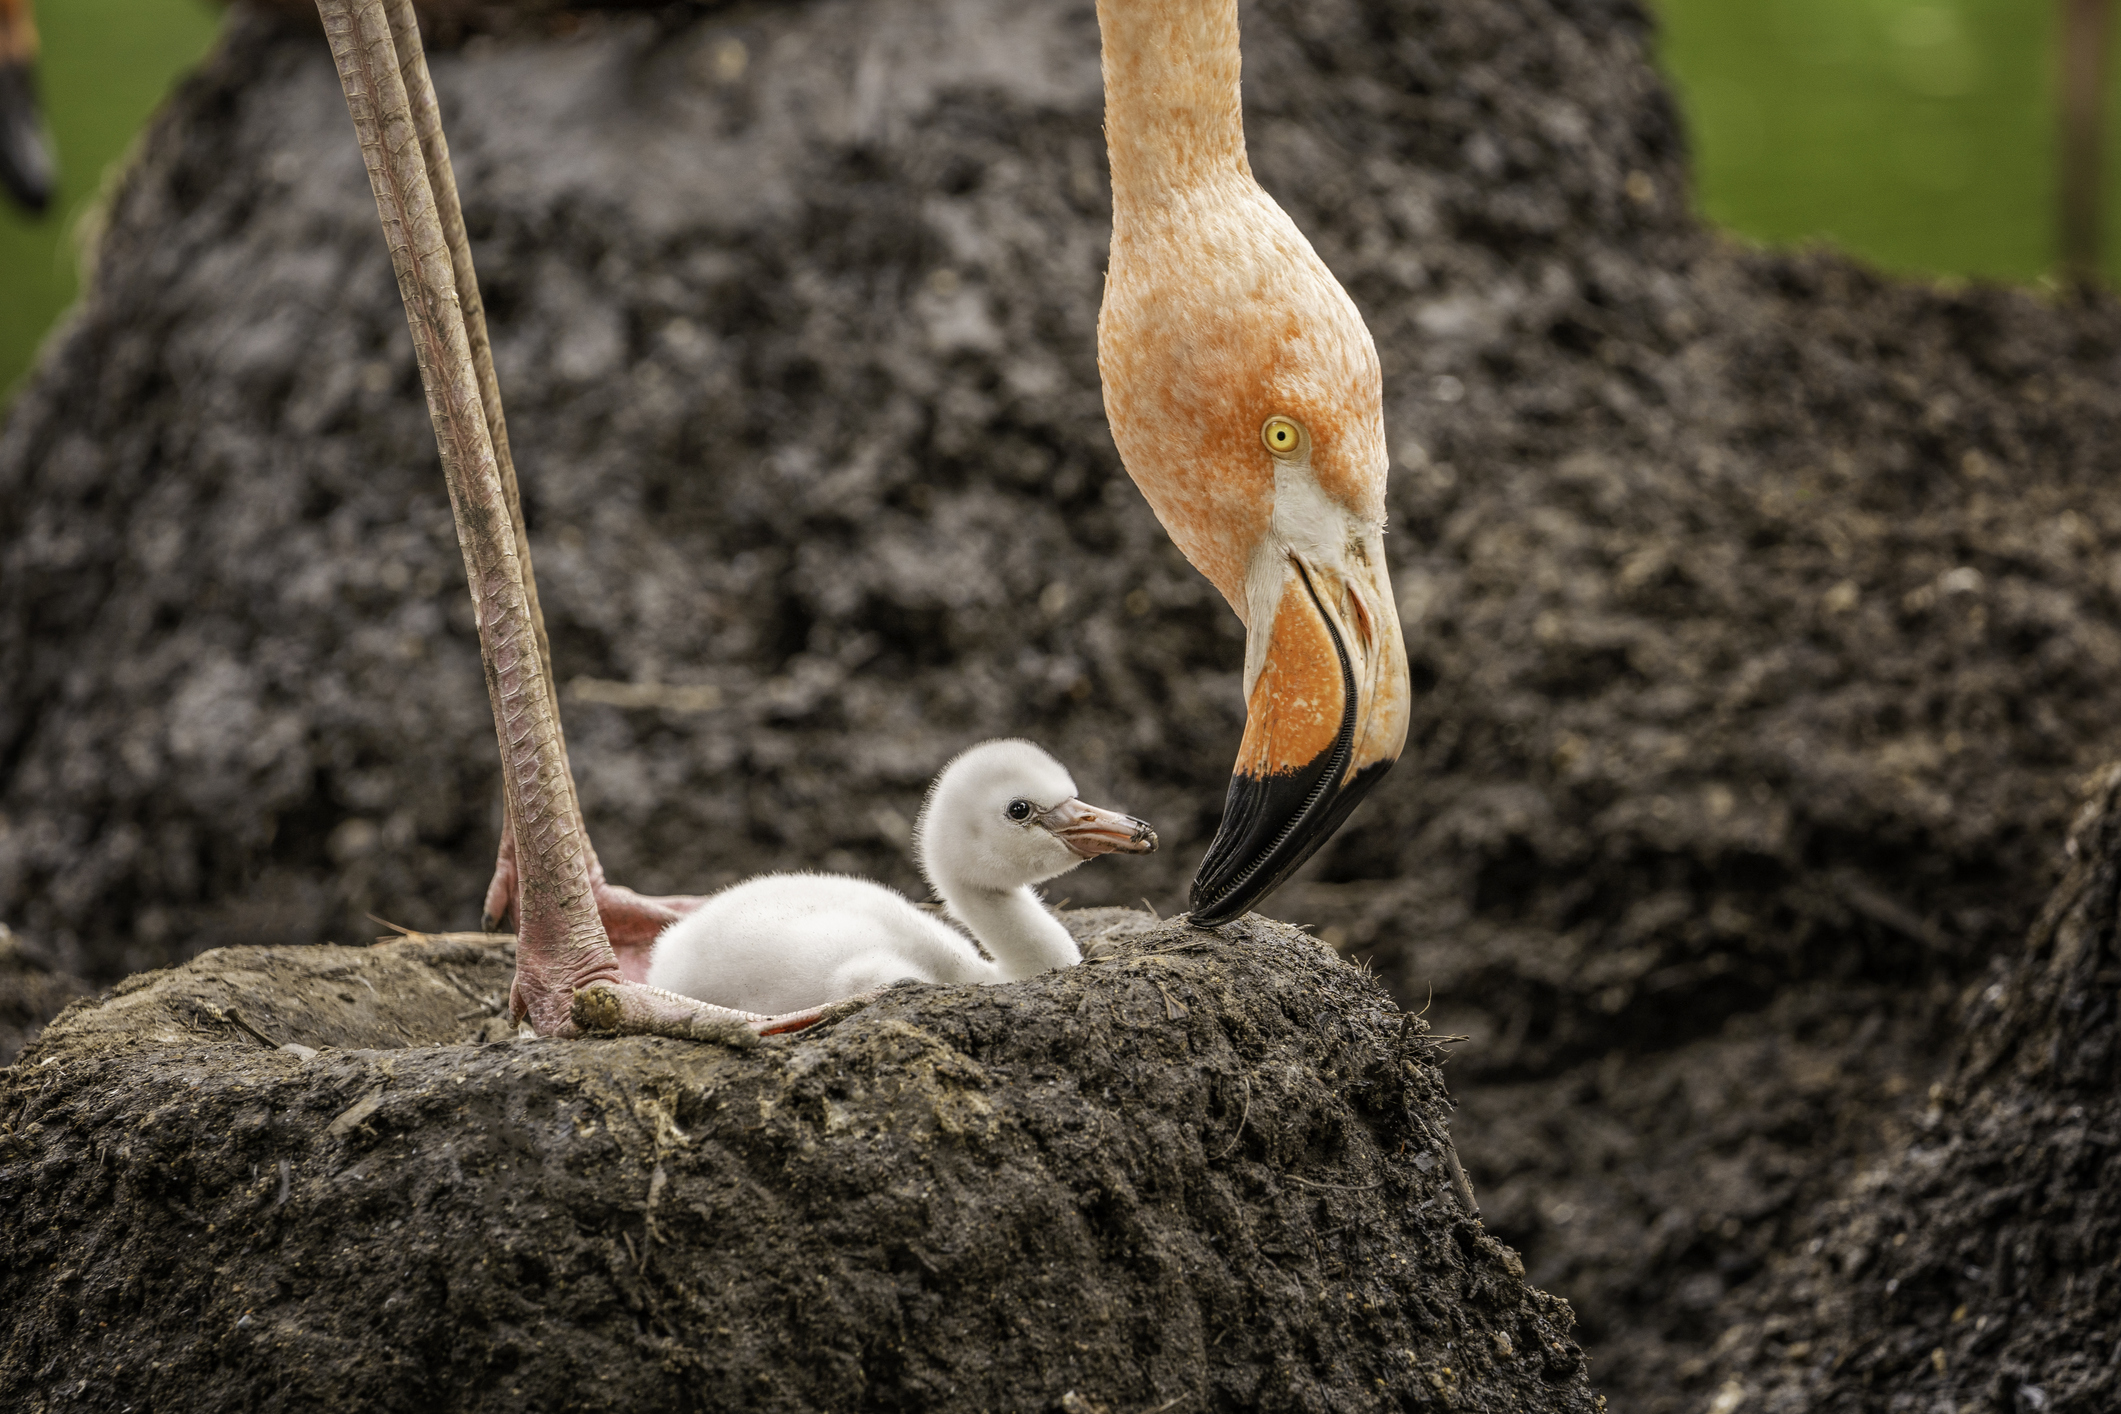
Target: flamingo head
{"x": 1004, "y": 814}
{"x": 1245, "y": 398}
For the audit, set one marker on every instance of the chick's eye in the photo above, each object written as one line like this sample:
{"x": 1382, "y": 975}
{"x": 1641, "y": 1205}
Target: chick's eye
{"x": 1283, "y": 436}
{"x": 1019, "y": 809}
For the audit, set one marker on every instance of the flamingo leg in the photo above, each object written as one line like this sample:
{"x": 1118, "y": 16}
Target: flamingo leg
{"x": 569, "y": 979}
{"x": 632, "y": 920}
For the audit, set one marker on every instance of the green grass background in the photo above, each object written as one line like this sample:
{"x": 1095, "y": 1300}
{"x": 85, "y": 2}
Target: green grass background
{"x": 107, "y": 64}
{"x": 1917, "y": 133}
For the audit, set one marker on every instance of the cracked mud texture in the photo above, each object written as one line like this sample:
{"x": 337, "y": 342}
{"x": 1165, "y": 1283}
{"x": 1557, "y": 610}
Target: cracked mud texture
{"x": 1977, "y": 1264}
{"x": 1762, "y": 612}
{"x": 1203, "y": 1169}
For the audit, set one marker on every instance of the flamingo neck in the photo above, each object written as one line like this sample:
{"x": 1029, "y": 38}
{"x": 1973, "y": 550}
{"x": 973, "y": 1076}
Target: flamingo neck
{"x": 1025, "y": 938}
{"x": 1173, "y": 120}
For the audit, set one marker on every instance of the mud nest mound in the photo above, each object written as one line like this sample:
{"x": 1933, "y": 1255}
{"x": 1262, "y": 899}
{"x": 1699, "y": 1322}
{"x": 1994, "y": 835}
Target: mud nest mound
{"x": 1200, "y": 1171}
{"x": 1762, "y": 610}
{"x": 1977, "y": 1264}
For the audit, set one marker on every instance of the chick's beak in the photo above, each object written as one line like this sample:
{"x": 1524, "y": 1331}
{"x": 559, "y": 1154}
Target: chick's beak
{"x": 1090, "y": 831}
{"x": 1325, "y": 718}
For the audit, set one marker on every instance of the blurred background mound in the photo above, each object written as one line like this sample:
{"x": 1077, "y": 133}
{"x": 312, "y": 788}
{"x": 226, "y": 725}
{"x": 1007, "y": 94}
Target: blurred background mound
{"x": 1973, "y": 1265}
{"x": 1761, "y": 610}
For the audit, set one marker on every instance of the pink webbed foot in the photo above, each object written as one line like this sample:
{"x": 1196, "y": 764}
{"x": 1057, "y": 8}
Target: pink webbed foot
{"x": 632, "y": 920}
{"x": 628, "y": 1009}
{"x": 568, "y": 983}
{"x": 497, "y": 914}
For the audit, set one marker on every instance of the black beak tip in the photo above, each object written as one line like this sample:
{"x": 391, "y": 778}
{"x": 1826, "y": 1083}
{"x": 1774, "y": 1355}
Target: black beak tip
{"x": 1226, "y": 909}
{"x": 32, "y": 197}
{"x": 26, "y": 167}
{"x": 1269, "y": 828}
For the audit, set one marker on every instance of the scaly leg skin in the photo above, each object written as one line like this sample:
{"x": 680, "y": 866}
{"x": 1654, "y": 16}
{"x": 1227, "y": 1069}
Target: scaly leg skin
{"x": 632, "y": 921}
{"x": 628, "y": 1010}
{"x": 565, "y": 966}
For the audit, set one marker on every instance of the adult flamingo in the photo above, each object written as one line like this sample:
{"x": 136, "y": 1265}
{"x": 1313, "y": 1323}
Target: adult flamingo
{"x": 1245, "y": 398}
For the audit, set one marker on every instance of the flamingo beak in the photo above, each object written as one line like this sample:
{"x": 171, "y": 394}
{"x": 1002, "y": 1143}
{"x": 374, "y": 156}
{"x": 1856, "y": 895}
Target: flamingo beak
{"x": 1090, "y": 831}
{"x": 1325, "y": 718}
{"x": 26, "y": 167}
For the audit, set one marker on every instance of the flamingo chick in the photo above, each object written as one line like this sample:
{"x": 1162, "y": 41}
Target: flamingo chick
{"x": 1001, "y": 817}
{"x": 1246, "y": 402}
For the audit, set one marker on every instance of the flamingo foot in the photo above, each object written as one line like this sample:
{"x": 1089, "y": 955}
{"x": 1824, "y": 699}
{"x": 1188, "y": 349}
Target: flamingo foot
{"x": 567, "y": 984}
{"x": 571, "y": 983}
{"x": 628, "y": 1009}
{"x": 632, "y": 921}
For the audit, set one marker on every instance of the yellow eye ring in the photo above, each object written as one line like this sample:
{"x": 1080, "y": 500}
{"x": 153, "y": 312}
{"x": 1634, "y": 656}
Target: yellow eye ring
{"x": 1284, "y": 436}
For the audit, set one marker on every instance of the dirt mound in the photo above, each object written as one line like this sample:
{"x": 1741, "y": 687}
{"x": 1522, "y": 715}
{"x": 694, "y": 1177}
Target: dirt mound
{"x": 1202, "y": 1170}
{"x": 1762, "y": 611}
{"x": 1973, "y": 1267}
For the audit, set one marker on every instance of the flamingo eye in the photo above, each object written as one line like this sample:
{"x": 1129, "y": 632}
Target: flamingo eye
{"x": 1019, "y": 810}
{"x": 1284, "y": 436}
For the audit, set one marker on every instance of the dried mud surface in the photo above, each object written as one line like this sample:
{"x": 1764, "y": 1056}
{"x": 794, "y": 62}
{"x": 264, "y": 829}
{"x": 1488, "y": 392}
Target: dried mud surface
{"x": 1201, "y": 1171}
{"x": 1977, "y": 1264}
{"x": 1763, "y": 612}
